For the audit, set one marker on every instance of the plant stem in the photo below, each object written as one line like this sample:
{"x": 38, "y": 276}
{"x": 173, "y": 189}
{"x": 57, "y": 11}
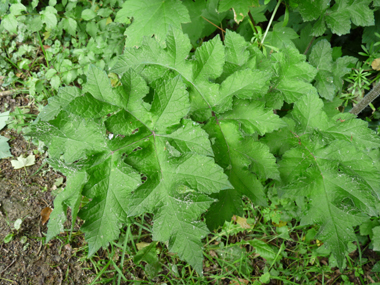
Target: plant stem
{"x": 11, "y": 92}
{"x": 371, "y": 95}
{"x": 124, "y": 250}
{"x": 43, "y": 50}
{"x": 271, "y": 20}
{"x": 309, "y": 45}
{"x": 253, "y": 25}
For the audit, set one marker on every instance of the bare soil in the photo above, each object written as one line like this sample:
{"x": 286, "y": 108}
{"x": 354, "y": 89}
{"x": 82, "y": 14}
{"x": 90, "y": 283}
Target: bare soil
{"x": 26, "y": 259}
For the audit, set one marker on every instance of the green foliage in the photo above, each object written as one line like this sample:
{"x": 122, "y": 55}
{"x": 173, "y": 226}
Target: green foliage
{"x": 330, "y": 73}
{"x": 157, "y": 139}
{"x": 69, "y": 43}
{"x": 184, "y": 124}
{"x": 338, "y": 17}
{"x": 162, "y": 15}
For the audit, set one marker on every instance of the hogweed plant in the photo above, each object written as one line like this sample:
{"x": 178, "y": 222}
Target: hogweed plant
{"x": 185, "y": 136}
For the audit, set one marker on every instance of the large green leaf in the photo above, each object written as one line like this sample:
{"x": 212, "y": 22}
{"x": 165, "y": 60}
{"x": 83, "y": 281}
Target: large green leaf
{"x": 172, "y": 153}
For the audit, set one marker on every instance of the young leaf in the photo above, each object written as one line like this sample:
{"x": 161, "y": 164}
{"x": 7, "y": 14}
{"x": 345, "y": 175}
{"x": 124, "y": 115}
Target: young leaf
{"x": 237, "y": 53}
{"x": 246, "y": 84}
{"x": 151, "y": 17}
{"x": 253, "y": 117}
{"x": 325, "y": 170}
{"x": 312, "y": 10}
{"x": 9, "y": 22}
{"x": 3, "y": 119}
{"x": 71, "y": 196}
{"x": 4, "y": 148}
{"x": 338, "y": 199}
{"x": 293, "y": 77}
{"x": 281, "y": 37}
{"x": 49, "y": 17}
{"x": 149, "y": 255}
{"x": 344, "y": 12}
{"x": 321, "y": 58}
{"x": 245, "y": 162}
{"x": 57, "y": 103}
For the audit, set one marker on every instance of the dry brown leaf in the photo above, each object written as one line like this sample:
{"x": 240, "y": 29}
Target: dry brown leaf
{"x": 45, "y": 214}
{"x": 376, "y": 64}
{"x": 68, "y": 247}
{"x": 213, "y": 253}
{"x": 243, "y": 223}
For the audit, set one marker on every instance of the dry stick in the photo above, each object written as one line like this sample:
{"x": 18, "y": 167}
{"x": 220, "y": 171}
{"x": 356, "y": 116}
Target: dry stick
{"x": 9, "y": 92}
{"x": 8, "y": 266}
{"x": 60, "y": 275}
{"x": 214, "y": 24}
{"x": 39, "y": 232}
{"x": 307, "y": 49}
{"x": 371, "y": 95}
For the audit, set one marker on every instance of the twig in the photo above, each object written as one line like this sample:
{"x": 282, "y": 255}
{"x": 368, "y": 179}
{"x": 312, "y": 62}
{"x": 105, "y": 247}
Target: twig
{"x": 214, "y": 24}
{"x": 10, "y": 92}
{"x": 9, "y": 280}
{"x": 8, "y": 267}
{"x": 39, "y": 232}
{"x": 371, "y": 95}
{"x": 60, "y": 275}
{"x": 252, "y": 21}
{"x": 309, "y": 45}
{"x": 370, "y": 279}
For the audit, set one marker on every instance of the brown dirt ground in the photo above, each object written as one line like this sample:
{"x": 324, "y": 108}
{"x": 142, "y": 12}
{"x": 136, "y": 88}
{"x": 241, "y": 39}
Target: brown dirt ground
{"x": 24, "y": 196}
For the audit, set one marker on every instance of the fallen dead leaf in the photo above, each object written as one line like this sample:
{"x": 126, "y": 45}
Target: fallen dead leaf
{"x": 23, "y": 162}
{"x": 68, "y": 247}
{"x": 376, "y": 64}
{"x": 45, "y": 214}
